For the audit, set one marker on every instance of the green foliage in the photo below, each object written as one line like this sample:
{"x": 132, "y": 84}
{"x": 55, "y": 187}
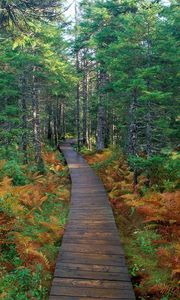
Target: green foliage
{"x": 161, "y": 170}
{"x": 23, "y": 284}
{"x": 105, "y": 163}
{"x": 144, "y": 239}
{"x": 86, "y": 151}
{"x": 13, "y": 170}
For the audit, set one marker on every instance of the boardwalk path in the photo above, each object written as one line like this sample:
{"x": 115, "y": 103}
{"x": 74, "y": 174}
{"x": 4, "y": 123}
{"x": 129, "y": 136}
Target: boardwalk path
{"x": 91, "y": 262}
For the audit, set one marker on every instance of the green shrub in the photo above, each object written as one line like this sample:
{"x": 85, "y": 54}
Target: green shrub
{"x": 14, "y": 171}
{"x": 23, "y": 284}
{"x": 162, "y": 171}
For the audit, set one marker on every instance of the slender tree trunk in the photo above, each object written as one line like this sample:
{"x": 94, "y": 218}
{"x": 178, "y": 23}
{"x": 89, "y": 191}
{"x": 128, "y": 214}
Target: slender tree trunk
{"x": 132, "y": 133}
{"x": 107, "y": 129}
{"x": 78, "y": 84}
{"x": 85, "y": 99}
{"x": 101, "y": 113}
{"x": 59, "y": 120}
{"x": 63, "y": 122}
{"x": 100, "y": 128}
{"x": 49, "y": 131}
{"x": 36, "y": 122}
{"x": 132, "y": 130}
{"x": 148, "y": 131}
{"x": 78, "y": 104}
{"x": 148, "y": 106}
{"x": 24, "y": 111}
{"x": 55, "y": 112}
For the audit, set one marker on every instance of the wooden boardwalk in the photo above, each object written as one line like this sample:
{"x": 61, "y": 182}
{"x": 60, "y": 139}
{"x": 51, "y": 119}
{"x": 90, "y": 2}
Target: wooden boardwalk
{"x": 91, "y": 262}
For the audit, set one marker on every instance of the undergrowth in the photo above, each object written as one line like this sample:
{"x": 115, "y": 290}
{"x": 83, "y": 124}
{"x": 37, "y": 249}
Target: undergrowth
{"x": 33, "y": 212}
{"x": 147, "y": 218}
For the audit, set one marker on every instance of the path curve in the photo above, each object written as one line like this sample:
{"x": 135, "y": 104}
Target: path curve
{"x": 91, "y": 263}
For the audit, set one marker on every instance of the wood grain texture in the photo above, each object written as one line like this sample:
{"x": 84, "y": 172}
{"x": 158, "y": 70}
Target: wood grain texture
{"x": 91, "y": 263}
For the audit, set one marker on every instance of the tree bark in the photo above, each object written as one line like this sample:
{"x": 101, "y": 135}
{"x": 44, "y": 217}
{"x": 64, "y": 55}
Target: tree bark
{"x": 49, "y": 131}
{"x": 59, "y": 120}
{"x": 78, "y": 84}
{"x": 132, "y": 133}
{"x": 24, "y": 111}
{"x": 148, "y": 106}
{"x": 55, "y": 113}
{"x": 132, "y": 130}
{"x": 63, "y": 122}
{"x": 85, "y": 99}
{"x": 78, "y": 104}
{"x": 101, "y": 112}
{"x": 100, "y": 128}
{"x": 36, "y": 122}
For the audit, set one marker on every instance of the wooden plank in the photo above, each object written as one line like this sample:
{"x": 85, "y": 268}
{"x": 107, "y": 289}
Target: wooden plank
{"x": 62, "y": 297}
{"x": 91, "y": 234}
{"x": 91, "y": 241}
{"x": 109, "y": 249}
{"x": 86, "y": 267}
{"x": 70, "y": 273}
{"x": 103, "y": 217}
{"x": 91, "y": 222}
{"x": 88, "y": 292}
{"x": 103, "y": 284}
{"x": 90, "y": 209}
{"x": 89, "y": 229}
{"x": 86, "y": 258}
{"x": 84, "y": 218}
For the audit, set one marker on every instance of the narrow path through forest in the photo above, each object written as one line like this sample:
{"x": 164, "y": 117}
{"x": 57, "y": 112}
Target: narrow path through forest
{"x": 91, "y": 263}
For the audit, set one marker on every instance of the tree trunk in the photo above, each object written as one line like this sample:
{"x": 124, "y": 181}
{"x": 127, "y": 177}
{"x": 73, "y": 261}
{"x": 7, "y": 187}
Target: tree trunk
{"x": 132, "y": 133}
{"x": 78, "y": 104}
{"x": 59, "y": 120}
{"x": 50, "y": 131}
{"x": 107, "y": 130}
{"x": 36, "y": 123}
{"x": 132, "y": 130}
{"x": 63, "y": 122}
{"x": 23, "y": 106}
{"x": 78, "y": 85}
{"x": 55, "y": 112}
{"x": 148, "y": 131}
{"x": 100, "y": 128}
{"x": 101, "y": 112}
{"x": 85, "y": 100}
{"x": 148, "y": 106}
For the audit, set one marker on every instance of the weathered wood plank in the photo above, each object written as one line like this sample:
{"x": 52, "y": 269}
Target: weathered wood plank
{"x": 87, "y": 241}
{"x": 91, "y": 234}
{"x": 89, "y": 292}
{"x": 86, "y": 267}
{"x": 103, "y": 284}
{"x": 86, "y": 258}
{"x": 71, "y": 273}
{"x": 99, "y": 249}
{"x": 84, "y": 298}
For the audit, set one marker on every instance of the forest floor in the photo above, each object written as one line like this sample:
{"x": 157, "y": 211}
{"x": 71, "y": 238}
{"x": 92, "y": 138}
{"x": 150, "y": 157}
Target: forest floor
{"x": 33, "y": 214}
{"x": 148, "y": 221}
